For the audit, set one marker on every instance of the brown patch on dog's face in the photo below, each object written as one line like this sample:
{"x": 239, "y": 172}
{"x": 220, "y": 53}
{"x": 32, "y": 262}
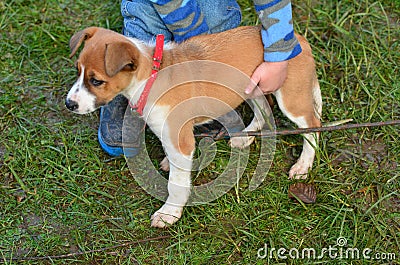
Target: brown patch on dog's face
{"x": 98, "y": 83}
{"x": 107, "y": 65}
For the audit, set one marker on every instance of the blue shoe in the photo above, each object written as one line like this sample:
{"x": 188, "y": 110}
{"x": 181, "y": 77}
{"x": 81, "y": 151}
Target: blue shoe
{"x": 111, "y": 125}
{"x": 229, "y": 123}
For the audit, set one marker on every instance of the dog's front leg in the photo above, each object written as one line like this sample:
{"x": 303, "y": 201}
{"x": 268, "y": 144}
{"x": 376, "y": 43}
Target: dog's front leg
{"x": 178, "y": 194}
{"x": 179, "y": 147}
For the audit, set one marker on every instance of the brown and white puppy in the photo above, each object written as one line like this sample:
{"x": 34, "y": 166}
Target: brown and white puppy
{"x": 112, "y": 64}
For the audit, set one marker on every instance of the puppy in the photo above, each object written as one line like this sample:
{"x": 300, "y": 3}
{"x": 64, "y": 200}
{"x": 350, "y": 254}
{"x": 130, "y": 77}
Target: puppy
{"x": 111, "y": 64}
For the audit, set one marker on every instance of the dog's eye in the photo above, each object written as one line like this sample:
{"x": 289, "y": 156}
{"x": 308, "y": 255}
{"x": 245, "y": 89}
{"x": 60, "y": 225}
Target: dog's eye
{"x": 96, "y": 82}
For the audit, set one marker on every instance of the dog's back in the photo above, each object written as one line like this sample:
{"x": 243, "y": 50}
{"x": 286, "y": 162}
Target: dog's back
{"x": 240, "y": 47}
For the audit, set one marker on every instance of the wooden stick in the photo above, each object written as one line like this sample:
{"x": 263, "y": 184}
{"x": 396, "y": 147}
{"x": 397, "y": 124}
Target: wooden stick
{"x": 217, "y": 135}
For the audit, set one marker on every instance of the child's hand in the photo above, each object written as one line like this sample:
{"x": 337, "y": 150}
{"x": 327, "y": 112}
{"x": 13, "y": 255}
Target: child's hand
{"x": 269, "y": 76}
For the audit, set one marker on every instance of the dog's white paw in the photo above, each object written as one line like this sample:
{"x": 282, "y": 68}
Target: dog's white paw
{"x": 241, "y": 142}
{"x": 299, "y": 170}
{"x": 166, "y": 216}
{"x": 164, "y": 164}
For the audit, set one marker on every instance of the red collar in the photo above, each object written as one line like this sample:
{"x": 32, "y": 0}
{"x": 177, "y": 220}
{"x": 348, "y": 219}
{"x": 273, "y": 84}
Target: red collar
{"x": 157, "y": 57}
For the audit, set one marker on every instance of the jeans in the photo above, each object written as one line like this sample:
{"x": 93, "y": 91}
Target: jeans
{"x": 141, "y": 20}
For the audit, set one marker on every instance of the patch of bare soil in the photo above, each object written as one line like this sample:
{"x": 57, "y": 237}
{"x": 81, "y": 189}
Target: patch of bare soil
{"x": 2, "y": 153}
{"x": 367, "y": 153}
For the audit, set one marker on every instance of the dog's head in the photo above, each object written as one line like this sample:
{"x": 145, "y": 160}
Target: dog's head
{"x": 108, "y": 64}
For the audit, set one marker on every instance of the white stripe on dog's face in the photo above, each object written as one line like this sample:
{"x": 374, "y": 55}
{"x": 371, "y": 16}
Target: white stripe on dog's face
{"x": 80, "y": 94}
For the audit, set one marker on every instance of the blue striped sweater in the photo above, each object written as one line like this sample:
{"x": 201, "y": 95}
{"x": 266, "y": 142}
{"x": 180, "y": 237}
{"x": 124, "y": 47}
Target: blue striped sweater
{"x": 184, "y": 19}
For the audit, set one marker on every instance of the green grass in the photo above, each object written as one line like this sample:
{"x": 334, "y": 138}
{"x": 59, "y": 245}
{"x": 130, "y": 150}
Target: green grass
{"x": 61, "y": 194}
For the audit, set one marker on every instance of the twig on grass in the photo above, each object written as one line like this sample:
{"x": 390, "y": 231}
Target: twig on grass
{"x": 80, "y": 253}
{"x": 217, "y": 135}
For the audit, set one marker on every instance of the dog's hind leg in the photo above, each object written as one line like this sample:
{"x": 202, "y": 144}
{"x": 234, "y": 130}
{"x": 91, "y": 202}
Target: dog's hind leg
{"x": 308, "y": 113}
{"x": 164, "y": 164}
{"x": 260, "y": 106}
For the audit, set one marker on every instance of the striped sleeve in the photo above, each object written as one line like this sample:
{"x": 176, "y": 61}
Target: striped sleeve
{"x": 182, "y": 17}
{"x": 278, "y": 37}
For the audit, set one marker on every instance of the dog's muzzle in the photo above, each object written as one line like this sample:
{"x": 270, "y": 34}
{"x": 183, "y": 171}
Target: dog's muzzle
{"x": 71, "y": 105}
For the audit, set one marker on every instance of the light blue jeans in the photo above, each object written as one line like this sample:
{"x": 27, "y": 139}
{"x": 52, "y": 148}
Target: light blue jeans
{"x": 141, "y": 20}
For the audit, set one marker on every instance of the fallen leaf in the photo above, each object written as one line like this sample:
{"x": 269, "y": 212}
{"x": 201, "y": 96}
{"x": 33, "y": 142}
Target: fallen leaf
{"x": 303, "y": 191}
{"x": 20, "y": 195}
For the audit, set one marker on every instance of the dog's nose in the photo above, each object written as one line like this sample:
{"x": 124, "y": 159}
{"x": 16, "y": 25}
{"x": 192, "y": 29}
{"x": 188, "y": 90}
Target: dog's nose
{"x": 71, "y": 105}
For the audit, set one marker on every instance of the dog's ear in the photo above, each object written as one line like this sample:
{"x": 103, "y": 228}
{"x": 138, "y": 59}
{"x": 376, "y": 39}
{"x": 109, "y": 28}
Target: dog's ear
{"x": 119, "y": 56}
{"x": 78, "y": 38}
